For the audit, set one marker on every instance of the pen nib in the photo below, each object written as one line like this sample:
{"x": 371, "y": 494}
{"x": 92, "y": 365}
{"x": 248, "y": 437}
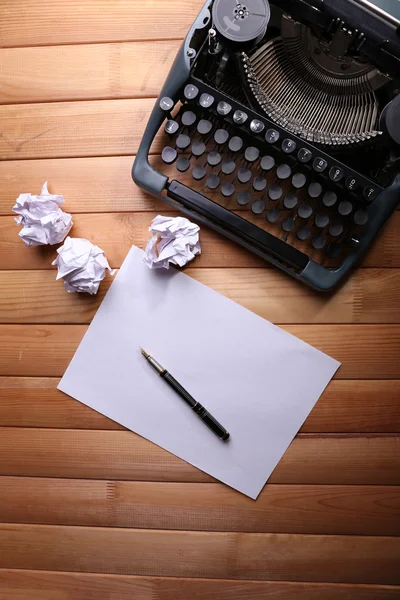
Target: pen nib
{"x": 145, "y": 354}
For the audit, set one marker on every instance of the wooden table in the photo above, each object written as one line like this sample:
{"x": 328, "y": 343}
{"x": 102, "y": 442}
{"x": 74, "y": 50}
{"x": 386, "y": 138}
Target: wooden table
{"x": 89, "y": 510}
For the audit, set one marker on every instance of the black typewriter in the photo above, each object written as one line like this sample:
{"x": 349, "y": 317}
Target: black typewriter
{"x": 279, "y": 126}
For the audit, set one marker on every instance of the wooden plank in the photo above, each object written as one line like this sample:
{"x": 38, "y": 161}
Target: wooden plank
{"x": 365, "y": 351}
{"x": 46, "y": 585}
{"x": 85, "y": 72}
{"x": 345, "y": 407}
{"x": 345, "y": 459}
{"x": 71, "y": 129}
{"x": 344, "y": 559}
{"x": 370, "y": 296}
{"x": 201, "y": 507}
{"x": 44, "y": 22}
{"x": 116, "y": 232}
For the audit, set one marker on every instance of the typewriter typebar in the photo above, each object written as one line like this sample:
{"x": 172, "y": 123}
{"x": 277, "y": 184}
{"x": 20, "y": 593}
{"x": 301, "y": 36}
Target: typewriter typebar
{"x": 279, "y": 126}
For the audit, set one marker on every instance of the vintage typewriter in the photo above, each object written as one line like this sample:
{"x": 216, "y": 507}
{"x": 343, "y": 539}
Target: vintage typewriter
{"x": 279, "y": 126}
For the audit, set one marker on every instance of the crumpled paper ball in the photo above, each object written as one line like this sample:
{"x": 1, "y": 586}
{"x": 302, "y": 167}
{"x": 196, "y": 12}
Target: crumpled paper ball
{"x": 42, "y": 218}
{"x": 82, "y": 265}
{"x": 175, "y": 241}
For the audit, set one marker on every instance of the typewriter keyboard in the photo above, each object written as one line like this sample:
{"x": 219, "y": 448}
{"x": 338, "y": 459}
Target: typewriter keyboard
{"x": 275, "y": 180}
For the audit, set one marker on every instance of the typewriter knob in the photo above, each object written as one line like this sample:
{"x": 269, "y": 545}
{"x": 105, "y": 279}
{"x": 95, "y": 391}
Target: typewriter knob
{"x": 390, "y": 119}
{"x": 241, "y": 21}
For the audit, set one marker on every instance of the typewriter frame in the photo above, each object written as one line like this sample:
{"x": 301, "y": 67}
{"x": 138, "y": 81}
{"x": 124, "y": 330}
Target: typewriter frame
{"x": 313, "y": 274}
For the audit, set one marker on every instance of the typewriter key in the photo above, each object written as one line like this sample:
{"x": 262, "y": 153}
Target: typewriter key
{"x": 213, "y": 158}
{"x": 240, "y": 117}
{"x": 227, "y": 189}
{"x": 257, "y": 126}
{"x": 283, "y": 171}
{"x": 251, "y": 153}
{"x": 182, "y": 164}
{"x": 235, "y": 143}
{"x": 267, "y": 163}
{"x": 335, "y": 174}
{"x": 171, "y": 127}
{"x": 288, "y": 224}
{"x": 190, "y": 92}
{"x": 304, "y": 155}
{"x": 275, "y": 192}
{"x": 188, "y": 118}
{"x": 314, "y": 190}
{"x": 166, "y": 104}
{"x": 336, "y": 229}
{"x": 169, "y": 155}
{"x": 288, "y": 146}
{"x": 351, "y": 184}
{"x": 182, "y": 141}
{"x": 198, "y": 148}
{"x": 221, "y": 136}
{"x": 259, "y": 184}
{"x": 290, "y": 201}
{"x": 206, "y": 100}
{"x": 370, "y": 193}
{"x": 304, "y": 211}
{"x": 224, "y": 108}
{"x": 228, "y": 166}
{"x": 319, "y": 164}
{"x": 273, "y": 215}
{"x": 345, "y": 208}
{"x": 318, "y": 242}
{"x": 303, "y": 233}
{"x": 198, "y": 172}
{"x": 329, "y": 199}
{"x": 212, "y": 181}
{"x": 258, "y": 206}
{"x": 244, "y": 175}
{"x": 243, "y": 198}
{"x": 298, "y": 180}
{"x": 272, "y": 136}
{"x": 204, "y": 126}
{"x": 321, "y": 220}
{"x": 360, "y": 217}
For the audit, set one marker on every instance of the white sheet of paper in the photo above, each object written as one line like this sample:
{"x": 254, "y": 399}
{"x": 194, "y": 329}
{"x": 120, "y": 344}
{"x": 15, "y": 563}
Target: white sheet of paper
{"x": 259, "y": 381}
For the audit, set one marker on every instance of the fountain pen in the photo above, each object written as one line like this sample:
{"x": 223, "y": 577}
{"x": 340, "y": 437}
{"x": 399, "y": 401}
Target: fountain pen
{"x": 198, "y": 408}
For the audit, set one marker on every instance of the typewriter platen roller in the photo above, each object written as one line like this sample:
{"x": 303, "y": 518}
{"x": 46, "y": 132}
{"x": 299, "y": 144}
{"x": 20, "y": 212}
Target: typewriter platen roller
{"x": 279, "y": 126}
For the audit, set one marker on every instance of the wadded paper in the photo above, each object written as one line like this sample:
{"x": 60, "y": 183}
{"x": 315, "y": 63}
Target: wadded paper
{"x": 259, "y": 381}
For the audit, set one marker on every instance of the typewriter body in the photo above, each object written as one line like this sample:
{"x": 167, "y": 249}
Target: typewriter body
{"x": 279, "y": 126}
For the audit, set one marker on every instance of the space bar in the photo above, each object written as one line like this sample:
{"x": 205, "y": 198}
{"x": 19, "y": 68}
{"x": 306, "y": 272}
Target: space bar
{"x": 241, "y": 228}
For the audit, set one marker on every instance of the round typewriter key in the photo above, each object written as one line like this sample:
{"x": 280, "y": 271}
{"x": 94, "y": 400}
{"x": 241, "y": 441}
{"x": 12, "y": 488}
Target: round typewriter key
{"x": 198, "y": 172}
{"x": 198, "y": 148}
{"x": 370, "y": 193}
{"x": 273, "y": 215}
{"x": 288, "y": 224}
{"x": 182, "y": 164}
{"x": 360, "y": 217}
{"x": 251, "y": 153}
{"x": 318, "y": 242}
{"x": 259, "y": 184}
{"x": 351, "y": 183}
{"x": 244, "y": 175}
{"x": 182, "y": 141}
{"x": 243, "y": 198}
{"x": 304, "y": 211}
{"x": 334, "y": 250}
{"x": 290, "y": 201}
{"x": 329, "y": 199}
{"x": 221, "y": 136}
{"x": 304, "y": 155}
{"x": 227, "y": 189}
{"x": 298, "y": 180}
{"x": 258, "y": 206}
{"x": 171, "y": 127}
{"x": 319, "y": 164}
{"x": 321, "y": 220}
{"x": 213, "y": 159}
{"x": 336, "y": 229}
{"x": 267, "y": 163}
{"x": 204, "y": 126}
{"x": 345, "y": 208}
{"x": 166, "y": 104}
{"x": 283, "y": 171}
{"x": 257, "y": 126}
{"x": 303, "y": 233}
{"x": 288, "y": 146}
{"x": 314, "y": 190}
{"x": 335, "y": 174}
{"x": 240, "y": 117}
{"x": 169, "y": 155}
{"x": 275, "y": 192}
{"x": 206, "y": 100}
{"x": 235, "y": 143}
{"x": 190, "y": 92}
{"x": 228, "y": 166}
{"x": 188, "y": 118}
{"x": 272, "y": 136}
{"x": 224, "y": 108}
{"x": 212, "y": 181}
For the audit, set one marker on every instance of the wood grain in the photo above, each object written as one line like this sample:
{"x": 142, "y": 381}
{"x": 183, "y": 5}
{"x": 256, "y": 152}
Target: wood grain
{"x": 370, "y": 296}
{"x": 89, "y": 72}
{"x": 335, "y": 459}
{"x": 365, "y": 351}
{"x": 47, "y": 585}
{"x": 33, "y": 22}
{"x": 316, "y": 509}
{"x": 344, "y": 407}
{"x": 344, "y": 559}
{"x": 72, "y": 129}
